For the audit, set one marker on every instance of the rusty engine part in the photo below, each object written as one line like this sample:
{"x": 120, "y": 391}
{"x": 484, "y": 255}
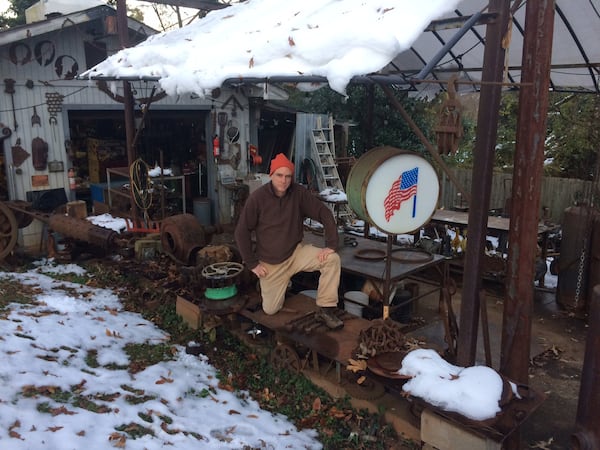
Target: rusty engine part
{"x": 182, "y": 236}
{"x": 83, "y": 231}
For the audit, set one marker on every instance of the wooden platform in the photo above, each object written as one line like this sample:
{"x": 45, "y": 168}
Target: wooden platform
{"x": 335, "y": 345}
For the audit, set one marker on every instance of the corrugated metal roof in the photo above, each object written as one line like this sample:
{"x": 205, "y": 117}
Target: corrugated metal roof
{"x": 61, "y": 21}
{"x": 575, "y": 65}
{"x": 575, "y": 62}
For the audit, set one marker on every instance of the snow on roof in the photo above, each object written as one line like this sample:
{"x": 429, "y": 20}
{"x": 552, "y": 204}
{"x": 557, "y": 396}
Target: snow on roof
{"x": 336, "y": 39}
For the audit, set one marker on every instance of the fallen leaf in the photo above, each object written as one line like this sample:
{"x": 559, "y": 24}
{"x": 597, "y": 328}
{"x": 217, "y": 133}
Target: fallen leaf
{"x": 61, "y": 410}
{"x": 164, "y": 380}
{"x": 316, "y": 406}
{"x": 15, "y": 435}
{"x": 117, "y": 440}
{"x": 54, "y": 429}
{"x": 337, "y": 413}
{"x": 226, "y": 387}
{"x": 233, "y": 411}
{"x": 291, "y": 41}
{"x": 356, "y": 365}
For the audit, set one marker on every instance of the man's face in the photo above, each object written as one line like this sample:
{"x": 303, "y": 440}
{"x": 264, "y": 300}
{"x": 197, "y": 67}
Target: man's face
{"x": 281, "y": 180}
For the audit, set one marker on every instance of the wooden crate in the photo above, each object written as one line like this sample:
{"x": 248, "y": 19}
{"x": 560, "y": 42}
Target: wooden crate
{"x": 189, "y": 312}
{"x": 442, "y": 434}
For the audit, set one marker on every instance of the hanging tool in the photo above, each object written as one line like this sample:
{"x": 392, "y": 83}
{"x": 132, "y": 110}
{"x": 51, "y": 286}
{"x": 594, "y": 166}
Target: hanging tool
{"x": 222, "y": 119}
{"x": 9, "y": 88}
{"x": 35, "y": 118}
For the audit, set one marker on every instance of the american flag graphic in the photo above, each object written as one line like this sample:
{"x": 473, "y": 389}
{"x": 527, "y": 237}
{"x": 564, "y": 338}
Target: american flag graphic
{"x": 403, "y": 188}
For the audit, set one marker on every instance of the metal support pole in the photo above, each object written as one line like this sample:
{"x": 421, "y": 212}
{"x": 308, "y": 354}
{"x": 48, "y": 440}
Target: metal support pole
{"x": 587, "y": 423}
{"x": 123, "y": 30}
{"x": 483, "y": 164}
{"x": 526, "y": 189}
{"x": 426, "y": 70}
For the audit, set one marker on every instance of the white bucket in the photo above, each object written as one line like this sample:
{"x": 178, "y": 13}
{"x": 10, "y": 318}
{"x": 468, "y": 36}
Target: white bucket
{"x": 310, "y": 293}
{"x": 354, "y": 302}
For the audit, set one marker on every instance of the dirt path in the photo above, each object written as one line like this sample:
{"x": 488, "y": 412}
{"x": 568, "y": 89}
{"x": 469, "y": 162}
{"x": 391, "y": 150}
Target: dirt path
{"x": 557, "y": 372}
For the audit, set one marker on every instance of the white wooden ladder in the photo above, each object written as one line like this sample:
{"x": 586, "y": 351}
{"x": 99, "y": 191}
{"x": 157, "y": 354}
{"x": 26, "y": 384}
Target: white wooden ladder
{"x": 323, "y": 146}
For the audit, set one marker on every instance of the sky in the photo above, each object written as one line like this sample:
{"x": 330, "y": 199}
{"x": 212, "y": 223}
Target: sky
{"x": 337, "y": 39}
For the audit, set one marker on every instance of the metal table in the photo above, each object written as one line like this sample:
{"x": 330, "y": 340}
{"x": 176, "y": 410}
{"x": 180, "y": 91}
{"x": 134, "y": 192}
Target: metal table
{"x": 368, "y": 259}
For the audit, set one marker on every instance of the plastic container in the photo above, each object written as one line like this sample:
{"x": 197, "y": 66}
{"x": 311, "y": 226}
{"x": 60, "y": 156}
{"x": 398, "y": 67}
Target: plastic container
{"x": 202, "y": 210}
{"x": 355, "y": 301}
{"x": 312, "y": 293}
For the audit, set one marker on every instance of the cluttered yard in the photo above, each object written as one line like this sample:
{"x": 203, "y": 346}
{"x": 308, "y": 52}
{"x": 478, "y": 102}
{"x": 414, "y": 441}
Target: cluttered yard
{"x": 121, "y": 368}
{"x": 132, "y": 363}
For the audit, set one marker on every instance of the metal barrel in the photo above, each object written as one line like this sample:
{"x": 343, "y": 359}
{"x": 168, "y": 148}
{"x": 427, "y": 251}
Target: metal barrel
{"x": 360, "y": 175}
{"x": 594, "y": 272}
{"x": 82, "y": 230}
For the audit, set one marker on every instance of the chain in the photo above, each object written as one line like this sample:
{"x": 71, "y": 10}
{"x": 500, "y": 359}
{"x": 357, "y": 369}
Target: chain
{"x": 580, "y": 273}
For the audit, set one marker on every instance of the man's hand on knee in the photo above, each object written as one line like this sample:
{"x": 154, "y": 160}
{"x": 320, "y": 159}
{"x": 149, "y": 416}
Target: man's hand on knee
{"x": 324, "y": 253}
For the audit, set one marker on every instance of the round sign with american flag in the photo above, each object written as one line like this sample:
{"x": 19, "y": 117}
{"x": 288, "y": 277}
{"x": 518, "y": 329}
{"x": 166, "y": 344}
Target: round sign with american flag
{"x": 400, "y": 190}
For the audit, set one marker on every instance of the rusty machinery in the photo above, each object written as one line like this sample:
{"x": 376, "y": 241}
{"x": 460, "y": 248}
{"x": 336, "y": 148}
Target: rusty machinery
{"x": 18, "y": 214}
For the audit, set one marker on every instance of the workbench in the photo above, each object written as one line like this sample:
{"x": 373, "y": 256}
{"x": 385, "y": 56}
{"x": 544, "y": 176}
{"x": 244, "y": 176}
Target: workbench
{"x": 496, "y": 226}
{"x": 367, "y": 259}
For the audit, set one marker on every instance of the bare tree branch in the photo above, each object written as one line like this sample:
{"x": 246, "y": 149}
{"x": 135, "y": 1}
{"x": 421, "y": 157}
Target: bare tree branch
{"x": 207, "y": 5}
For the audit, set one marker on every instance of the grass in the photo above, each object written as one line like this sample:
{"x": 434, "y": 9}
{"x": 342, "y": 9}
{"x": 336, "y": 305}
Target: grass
{"x": 240, "y": 368}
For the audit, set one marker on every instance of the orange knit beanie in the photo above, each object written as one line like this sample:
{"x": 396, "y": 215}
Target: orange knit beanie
{"x": 281, "y": 161}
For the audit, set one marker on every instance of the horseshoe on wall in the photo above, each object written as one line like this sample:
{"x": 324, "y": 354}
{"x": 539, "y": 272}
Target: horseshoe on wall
{"x": 40, "y": 52}
{"x": 12, "y": 53}
{"x": 59, "y": 67}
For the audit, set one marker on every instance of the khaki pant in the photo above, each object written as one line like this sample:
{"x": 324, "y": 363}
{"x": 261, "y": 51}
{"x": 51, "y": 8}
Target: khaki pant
{"x": 304, "y": 259}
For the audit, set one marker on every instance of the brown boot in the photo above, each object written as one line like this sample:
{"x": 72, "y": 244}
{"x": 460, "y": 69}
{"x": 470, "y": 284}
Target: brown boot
{"x": 328, "y": 317}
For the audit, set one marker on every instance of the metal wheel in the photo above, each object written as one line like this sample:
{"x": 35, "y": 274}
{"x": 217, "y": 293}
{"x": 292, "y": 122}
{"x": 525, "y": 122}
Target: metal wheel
{"x": 285, "y": 357}
{"x": 222, "y": 270}
{"x": 8, "y": 230}
{"x": 369, "y": 389}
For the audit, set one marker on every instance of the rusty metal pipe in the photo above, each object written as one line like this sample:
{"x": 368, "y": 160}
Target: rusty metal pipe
{"x": 82, "y": 230}
{"x": 483, "y": 165}
{"x": 587, "y": 421}
{"x": 526, "y": 190}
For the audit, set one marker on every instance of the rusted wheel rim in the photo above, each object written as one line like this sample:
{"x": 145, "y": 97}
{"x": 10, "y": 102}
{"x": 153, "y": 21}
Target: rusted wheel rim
{"x": 8, "y": 230}
{"x": 285, "y": 357}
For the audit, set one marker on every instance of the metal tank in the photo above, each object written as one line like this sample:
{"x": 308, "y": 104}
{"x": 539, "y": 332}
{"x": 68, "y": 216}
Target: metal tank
{"x": 594, "y": 272}
{"x": 572, "y": 291}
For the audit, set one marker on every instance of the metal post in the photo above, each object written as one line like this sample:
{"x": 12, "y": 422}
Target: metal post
{"x": 123, "y": 30}
{"x": 526, "y": 189}
{"x": 483, "y": 164}
{"x": 525, "y": 206}
{"x": 587, "y": 423}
